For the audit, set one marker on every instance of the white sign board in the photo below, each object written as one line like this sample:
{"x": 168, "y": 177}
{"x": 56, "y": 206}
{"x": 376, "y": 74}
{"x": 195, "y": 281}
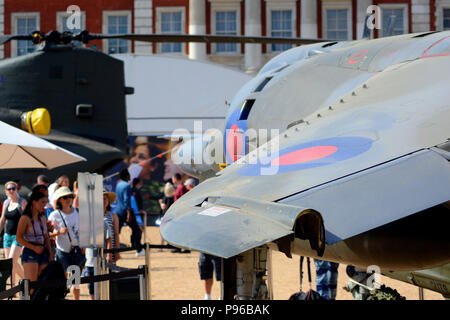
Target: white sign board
{"x": 90, "y": 194}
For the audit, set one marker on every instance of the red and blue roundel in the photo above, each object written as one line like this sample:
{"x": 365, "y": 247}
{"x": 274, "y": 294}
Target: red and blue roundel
{"x": 309, "y": 155}
{"x": 235, "y": 129}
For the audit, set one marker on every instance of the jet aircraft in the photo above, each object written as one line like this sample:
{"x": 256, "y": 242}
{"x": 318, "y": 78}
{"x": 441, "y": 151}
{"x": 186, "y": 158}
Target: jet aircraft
{"x": 358, "y": 172}
{"x": 84, "y": 91}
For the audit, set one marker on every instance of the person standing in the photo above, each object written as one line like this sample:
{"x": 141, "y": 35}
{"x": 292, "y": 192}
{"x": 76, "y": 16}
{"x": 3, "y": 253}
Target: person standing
{"x": 125, "y": 212}
{"x": 165, "y": 202}
{"x": 180, "y": 187}
{"x": 42, "y": 179}
{"x": 112, "y": 221}
{"x": 207, "y": 264}
{"x": 65, "y": 221}
{"x": 62, "y": 181}
{"x": 136, "y": 192}
{"x": 32, "y": 235}
{"x": 168, "y": 198}
{"x": 189, "y": 184}
{"x": 179, "y": 191}
{"x": 91, "y": 254}
{"x": 326, "y": 278}
{"x": 11, "y": 213}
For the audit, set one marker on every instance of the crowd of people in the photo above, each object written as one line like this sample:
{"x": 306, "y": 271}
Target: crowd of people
{"x": 45, "y": 228}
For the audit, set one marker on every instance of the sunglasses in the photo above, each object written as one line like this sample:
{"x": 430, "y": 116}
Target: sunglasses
{"x": 67, "y": 197}
{"x": 11, "y": 189}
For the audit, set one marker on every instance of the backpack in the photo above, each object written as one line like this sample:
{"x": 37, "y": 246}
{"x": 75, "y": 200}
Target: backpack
{"x": 310, "y": 294}
{"x": 53, "y": 271}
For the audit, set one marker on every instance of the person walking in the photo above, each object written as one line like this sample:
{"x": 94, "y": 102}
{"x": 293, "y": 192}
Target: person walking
{"x": 326, "y": 278}
{"x": 125, "y": 211}
{"x": 11, "y": 213}
{"x": 91, "y": 253}
{"x": 32, "y": 235}
{"x": 65, "y": 221}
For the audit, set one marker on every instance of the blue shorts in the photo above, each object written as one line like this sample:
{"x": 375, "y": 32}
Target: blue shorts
{"x": 29, "y": 255}
{"x": 9, "y": 240}
{"x": 69, "y": 259}
{"x": 207, "y": 264}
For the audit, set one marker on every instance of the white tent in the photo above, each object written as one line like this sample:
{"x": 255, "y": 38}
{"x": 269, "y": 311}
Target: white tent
{"x": 171, "y": 93}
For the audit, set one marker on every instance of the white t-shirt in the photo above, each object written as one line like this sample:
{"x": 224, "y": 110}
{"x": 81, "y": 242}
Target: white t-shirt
{"x": 72, "y": 221}
{"x": 51, "y": 191}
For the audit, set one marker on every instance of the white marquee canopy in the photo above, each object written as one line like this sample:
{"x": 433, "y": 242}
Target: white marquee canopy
{"x": 171, "y": 93}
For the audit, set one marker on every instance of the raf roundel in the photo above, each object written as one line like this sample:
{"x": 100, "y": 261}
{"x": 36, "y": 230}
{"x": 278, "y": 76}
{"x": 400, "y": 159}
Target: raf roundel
{"x": 309, "y": 155}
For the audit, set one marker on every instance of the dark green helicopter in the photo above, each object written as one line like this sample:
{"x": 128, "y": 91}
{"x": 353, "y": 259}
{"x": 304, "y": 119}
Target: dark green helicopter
{"x": 84, "y": 91}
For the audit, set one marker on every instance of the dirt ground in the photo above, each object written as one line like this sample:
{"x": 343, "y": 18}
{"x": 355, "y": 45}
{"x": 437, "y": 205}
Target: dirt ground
{"x": 175, "y": 276}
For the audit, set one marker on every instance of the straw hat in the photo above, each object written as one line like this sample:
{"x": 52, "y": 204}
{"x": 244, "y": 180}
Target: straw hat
{"x": 61, "y": 192}
{"x": 111, "y": 196}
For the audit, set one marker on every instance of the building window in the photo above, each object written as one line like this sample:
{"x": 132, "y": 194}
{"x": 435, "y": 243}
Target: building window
{"x": 446, "y": 14}
{"x": 23, "y": 23}
{"x": 171, "y": 20}
{"x": 398, "y": 23}
{"x": 226, "y": 22}
{"x": 337, "y": 24}
{"x": 117, "y": 25}
{"x": 116, "y": 22}
{"x": 281, "y": 26}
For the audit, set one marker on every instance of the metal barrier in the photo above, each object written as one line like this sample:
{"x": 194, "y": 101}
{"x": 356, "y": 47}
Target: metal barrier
{"x": 143, "y": 272}
{"x": 25, "y": 285}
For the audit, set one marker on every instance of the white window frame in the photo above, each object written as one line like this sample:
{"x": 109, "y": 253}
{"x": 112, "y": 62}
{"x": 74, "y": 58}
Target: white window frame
{"x": 337, "y": 6}
{"x": 159, "y": 11}
{"x": 222, "y": 6}
{"x": 443, "y": 17}
{"x": 20, "y": 15}
{"x": 108, "y": 13}
{"x": 63, "y": 14}
{"x": 440, "y": 6}
{"x": 404, "y": 7}
{"x": 273, "y": 5}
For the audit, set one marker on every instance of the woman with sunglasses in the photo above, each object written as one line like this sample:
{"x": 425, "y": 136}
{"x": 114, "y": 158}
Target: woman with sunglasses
{"x": 11, "y": 213}
{"x": 65, "y": 220}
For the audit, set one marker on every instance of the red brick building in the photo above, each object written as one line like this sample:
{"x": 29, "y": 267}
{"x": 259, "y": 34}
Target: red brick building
{"x": 330, "y": 19}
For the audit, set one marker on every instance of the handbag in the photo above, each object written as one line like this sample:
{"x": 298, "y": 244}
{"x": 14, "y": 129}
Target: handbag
{"x": 74, "y": 250}
{"x": 310, "y": 294}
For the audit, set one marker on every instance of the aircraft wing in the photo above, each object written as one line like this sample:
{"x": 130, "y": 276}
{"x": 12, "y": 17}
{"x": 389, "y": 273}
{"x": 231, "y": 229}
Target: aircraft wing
{"x": 379, "y": 157}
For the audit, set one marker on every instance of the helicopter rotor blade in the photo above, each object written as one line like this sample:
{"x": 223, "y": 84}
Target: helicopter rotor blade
{"x": 5, "y": 38}
{"x": 205, "y": 38}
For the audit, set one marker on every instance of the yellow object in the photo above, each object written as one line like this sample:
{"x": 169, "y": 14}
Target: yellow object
{"x": 222, "y": 166}
{"x": 38, "y": 121}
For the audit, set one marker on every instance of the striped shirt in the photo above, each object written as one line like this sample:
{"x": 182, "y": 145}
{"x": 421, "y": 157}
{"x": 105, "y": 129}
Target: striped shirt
{"x": 110, "y": 223}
